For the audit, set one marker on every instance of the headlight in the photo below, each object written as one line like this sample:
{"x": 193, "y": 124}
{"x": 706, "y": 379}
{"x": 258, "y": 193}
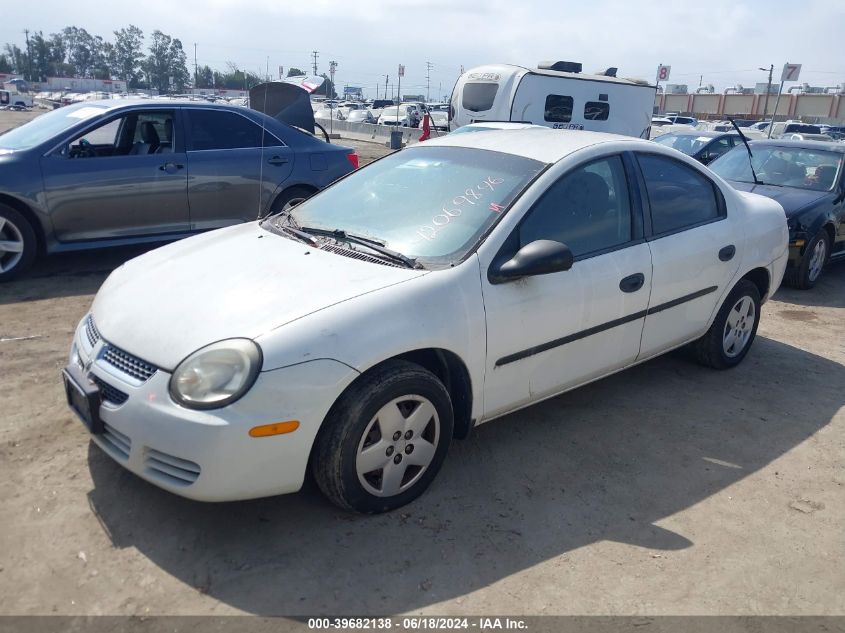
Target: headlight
{"x": 74, "y": 355}
{"x": 217, "y": 374}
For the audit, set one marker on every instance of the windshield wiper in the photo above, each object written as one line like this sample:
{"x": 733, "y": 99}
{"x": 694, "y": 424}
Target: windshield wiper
{"x": 342, "y": 236}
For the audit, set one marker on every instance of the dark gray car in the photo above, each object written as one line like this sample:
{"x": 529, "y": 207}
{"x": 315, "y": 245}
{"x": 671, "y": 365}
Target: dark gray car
{"x": 109, "y": 173}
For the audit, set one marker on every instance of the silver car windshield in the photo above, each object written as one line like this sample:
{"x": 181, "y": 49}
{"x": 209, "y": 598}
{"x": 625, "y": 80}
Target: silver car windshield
{"x": 46, "y": 126}
{"x": 799, "y": 167}
{"x": 432, "y": 203}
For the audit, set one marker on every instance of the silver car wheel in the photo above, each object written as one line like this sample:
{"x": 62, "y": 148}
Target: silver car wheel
{"x": 817, "y": 260}
{"x": 11, "y": 245}
{"x": 738, "y": 327}
{"x": 398, "y": 445}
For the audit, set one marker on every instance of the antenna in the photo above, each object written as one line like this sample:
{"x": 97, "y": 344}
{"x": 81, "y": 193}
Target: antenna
{"x": 748, "y": 149}
{"x": 261, "y": 154}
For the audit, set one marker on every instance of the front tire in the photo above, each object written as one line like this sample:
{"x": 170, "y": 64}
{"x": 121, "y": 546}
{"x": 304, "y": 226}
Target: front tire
{"x": 733, "y": 330}
{"x": 18, "y": 243}
{"x": 805, "y": 275}
{"x": 384, "y": 440}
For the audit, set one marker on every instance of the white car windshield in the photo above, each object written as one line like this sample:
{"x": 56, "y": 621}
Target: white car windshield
{"x": 46, "y": 126}
{"x": 685, "y": 143}
{"x": 428, "y": 203}
{"x": 784, "y": 166}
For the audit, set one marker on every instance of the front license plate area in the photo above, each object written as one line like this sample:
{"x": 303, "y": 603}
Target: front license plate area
{"x": 83, "y": 398}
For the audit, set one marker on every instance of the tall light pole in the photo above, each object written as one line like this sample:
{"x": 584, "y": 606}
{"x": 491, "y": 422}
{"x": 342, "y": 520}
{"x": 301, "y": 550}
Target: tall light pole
{"x": 768, "y": 90}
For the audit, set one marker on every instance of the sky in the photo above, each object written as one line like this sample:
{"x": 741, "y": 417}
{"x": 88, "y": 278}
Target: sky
{"x": 717, "y": 42}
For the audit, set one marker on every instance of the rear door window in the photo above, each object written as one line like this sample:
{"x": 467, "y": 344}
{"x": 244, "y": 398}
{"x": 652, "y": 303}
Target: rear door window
{"x": 217, "y": 129}
{"x": 479, "y": 97}
{"x": 558, "y": 109}
{"x": 680, "y": 197}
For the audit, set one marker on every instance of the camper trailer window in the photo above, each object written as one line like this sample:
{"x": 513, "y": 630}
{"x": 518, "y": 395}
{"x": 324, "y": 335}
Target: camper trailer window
{"x": 596, "y": 110}
{"x": 558, "y": 109}
{"x": 479, "y": 97}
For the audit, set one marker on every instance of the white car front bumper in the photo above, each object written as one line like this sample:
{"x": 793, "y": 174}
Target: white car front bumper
{"x": 209, "y": 455}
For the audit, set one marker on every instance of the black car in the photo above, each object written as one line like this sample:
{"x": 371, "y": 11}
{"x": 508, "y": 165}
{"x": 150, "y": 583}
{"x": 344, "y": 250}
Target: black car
{"x": 806, "y": 178}
{"x": 701, "y": 145}
{"x": 109, "y": 173}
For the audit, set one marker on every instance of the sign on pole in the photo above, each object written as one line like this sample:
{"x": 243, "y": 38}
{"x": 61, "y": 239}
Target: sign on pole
{"x": 401, "y": 70}
{"x": 790, "y": 72}
{"x": 663, "y": 72}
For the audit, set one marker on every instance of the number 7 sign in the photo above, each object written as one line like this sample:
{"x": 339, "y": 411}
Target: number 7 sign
{"x": 790, "y": 72}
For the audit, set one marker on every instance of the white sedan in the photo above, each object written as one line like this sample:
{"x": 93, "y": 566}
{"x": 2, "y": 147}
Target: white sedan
{"x": 441, "y": 287}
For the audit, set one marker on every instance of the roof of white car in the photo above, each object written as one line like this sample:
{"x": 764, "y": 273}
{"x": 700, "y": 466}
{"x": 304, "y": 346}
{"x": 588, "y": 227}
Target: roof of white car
{"x": 543, "y": 144}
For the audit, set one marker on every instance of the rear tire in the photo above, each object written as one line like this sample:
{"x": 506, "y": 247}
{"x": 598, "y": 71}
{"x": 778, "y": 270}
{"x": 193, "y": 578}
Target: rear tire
{"x": 384, "y": 440}
{"x": 289, "y": 198}
{"x": 733, "y": 330}
{"x": 805, "y": 275}
{"x": 18, "y": 244}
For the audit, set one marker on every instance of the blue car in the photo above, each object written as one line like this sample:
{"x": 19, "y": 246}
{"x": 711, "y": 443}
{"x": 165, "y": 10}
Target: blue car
{"x": 111, "y": 173}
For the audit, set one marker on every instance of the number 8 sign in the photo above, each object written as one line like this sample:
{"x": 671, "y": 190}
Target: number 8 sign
{"x": 663, "y": 72}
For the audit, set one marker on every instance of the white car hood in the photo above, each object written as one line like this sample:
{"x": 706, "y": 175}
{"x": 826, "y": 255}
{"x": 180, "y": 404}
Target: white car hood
{"x": 237, "y": 282}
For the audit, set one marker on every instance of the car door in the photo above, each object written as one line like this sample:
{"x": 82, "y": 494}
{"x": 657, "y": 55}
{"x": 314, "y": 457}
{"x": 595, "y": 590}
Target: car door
{"x": 230, "y": 176}
{"x": 548, "y": 333}
{"x": 109, "y": 182}
{"x": 695, "y": 240}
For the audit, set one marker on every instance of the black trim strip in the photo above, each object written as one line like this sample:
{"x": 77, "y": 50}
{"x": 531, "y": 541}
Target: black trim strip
{"x": 544, "y": 347}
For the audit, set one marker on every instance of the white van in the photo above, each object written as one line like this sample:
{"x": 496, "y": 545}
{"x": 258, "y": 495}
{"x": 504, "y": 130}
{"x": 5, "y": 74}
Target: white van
{"x": 555, "y": 94}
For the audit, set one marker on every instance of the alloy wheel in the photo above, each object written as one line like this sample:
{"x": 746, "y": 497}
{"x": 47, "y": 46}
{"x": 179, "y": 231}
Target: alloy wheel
{"x": 11, "y": 245}
{"x": 739, "y": 327}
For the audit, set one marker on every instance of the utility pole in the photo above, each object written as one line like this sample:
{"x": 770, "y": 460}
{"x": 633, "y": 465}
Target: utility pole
{"x": 386, "y": 77}
{"x": 28, "y": 54}
{"x": 314, "y": 54}
{"x": 196, "y": 74}
{"x": 768, "y": 90}
{"x": 267, "y": 70}
{"x": 332, "y": 69}
{"x": 428, "y": 66}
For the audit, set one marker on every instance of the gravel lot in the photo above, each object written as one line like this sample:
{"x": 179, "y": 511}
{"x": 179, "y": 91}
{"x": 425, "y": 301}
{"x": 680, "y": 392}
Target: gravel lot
{"x": 666, "y": 489}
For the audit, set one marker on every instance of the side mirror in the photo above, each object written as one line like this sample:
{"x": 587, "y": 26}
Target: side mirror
{"x": 540, "y": 257}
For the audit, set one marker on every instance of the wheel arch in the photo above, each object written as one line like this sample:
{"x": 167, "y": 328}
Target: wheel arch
{"x": 26, "y": 211}
{"x": 760, "y": 278}
{"x": 282, "y": 191}
{"x": 450, "y": 369}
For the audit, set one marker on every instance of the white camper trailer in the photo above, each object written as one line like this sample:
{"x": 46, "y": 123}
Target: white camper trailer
{"x": 555, "y": 94}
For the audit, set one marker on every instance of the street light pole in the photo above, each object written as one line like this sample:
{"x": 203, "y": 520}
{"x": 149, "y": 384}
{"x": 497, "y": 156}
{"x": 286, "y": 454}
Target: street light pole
{"x": 768, "y": 91}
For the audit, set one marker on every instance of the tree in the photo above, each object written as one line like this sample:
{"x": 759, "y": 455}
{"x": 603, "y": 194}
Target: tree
{"x": 84, "y": 51}
{"x": 5, "y": 64}
{"x": 166, "y": 64}
{"x": 295, "y": 72}
{"x": 17, "y": 58}
{"x": 205, "y": 77}
{"x": 127, "y": 55}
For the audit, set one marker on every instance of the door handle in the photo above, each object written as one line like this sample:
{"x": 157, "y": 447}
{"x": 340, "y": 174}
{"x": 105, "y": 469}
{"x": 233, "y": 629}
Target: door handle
{"x": 632, "y": 283}
{"x": 170, "y": 167}
{"x": 277, "y": 160}
{"x": 727, "y": 253}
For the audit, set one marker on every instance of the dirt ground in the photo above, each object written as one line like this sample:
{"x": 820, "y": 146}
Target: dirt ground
{"x": 665, "y": 489}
